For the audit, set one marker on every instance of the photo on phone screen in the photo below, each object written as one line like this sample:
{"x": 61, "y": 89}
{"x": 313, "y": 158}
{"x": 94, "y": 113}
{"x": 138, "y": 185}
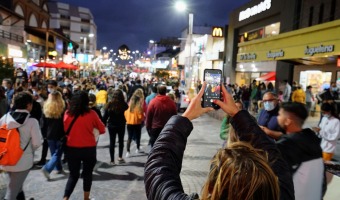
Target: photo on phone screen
{"x": 212, "y": 91}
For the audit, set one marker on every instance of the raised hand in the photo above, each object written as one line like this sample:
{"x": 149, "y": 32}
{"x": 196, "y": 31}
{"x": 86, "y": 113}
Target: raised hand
{"x": 195, "y": 109}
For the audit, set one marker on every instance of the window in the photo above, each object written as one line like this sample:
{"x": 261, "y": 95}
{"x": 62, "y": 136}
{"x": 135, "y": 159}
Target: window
{"x": 19, "y": 10}
{"x": 36, "y": 2}
{"x": 332, "y": 15}
{"x": 311, "y": 12}
{"x": 33, "y": 21}
{"x": 321, "y": 13}
{"x": 271, "y": 30}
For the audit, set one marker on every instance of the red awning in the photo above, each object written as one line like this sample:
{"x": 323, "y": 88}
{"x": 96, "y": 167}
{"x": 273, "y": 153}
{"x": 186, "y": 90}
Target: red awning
{"x": 45, "y": 65}
{"x": 63, "y": 65}
{"x": 270, "y": 76}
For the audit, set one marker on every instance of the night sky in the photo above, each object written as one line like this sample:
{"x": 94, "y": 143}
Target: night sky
{"x": 135, "y": 22}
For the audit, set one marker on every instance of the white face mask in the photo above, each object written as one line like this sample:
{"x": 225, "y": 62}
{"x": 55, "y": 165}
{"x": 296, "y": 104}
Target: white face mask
{"x": 269, "y": 106}
{"x": 50, "y": 90}
{"x": 327, "y": 115}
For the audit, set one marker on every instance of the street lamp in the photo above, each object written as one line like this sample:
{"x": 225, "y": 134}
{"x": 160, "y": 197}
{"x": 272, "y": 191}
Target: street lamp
{"x": 91, "y": 35}
{"x": 182, "y": 6}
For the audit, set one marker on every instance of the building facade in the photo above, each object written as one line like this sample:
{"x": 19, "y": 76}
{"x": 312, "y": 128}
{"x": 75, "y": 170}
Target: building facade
{"x": 77, "y": 23}
{"x": 297, "y": 39}
{"x": 203, "y": 50}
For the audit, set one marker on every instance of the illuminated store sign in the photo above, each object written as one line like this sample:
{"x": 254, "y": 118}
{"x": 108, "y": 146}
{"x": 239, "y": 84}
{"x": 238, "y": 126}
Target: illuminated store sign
{"x": 320, "y": 49}
{"x": 249, "y": 56}
{"x": 249, "y": 12}
{"x": 275, "y": 54}
{"x": 14, "y": 51}
{"x": 217, "y": 32}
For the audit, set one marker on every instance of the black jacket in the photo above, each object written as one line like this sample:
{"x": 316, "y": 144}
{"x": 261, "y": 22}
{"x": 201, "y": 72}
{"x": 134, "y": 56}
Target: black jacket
{"x": 54, "y": 127}
{"x": 163, "y": 167}
{"x": 115, "y": 119}
{"x": 248, "y": 130}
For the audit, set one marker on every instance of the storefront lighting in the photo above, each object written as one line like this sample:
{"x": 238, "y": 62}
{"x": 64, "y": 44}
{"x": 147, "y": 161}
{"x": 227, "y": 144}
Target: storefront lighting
{"x": 255, "y": 70}
{"x": 241, "y": 66}
{"x": 253, "y": 65}
{"x": 245, "y": 35}
{"x": 28, "y": 41}
{"x": 273, "y": 25}
{"x": 273, "y": 32}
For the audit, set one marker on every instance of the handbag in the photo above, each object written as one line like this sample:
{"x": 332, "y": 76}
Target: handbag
{"x": 63, "y": 140}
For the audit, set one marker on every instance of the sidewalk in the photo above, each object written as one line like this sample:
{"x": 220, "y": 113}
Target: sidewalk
{"x": 125, "y": 182}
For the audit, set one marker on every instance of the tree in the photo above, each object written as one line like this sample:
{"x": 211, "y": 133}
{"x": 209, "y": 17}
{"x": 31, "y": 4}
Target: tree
{"x": 6, "y": 70}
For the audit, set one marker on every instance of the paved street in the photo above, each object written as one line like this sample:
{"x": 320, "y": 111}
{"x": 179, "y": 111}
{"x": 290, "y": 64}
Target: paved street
{"x": 125, "y": 182}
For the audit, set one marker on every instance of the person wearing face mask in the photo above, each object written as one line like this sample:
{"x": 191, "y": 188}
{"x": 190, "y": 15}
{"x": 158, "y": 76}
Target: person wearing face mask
{"x": 328, "y": 131}
{"x": 268, "y": 116}
{"x": 52, "y": 86}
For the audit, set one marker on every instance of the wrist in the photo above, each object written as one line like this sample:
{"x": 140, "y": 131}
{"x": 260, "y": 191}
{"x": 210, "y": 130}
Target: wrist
{"x": 187, "y": 116}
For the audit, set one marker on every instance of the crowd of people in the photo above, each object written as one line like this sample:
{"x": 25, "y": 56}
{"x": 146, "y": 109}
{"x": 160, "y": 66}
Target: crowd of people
{"x": 67, "y": 116}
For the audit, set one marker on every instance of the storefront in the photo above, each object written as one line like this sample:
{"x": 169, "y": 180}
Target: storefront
{"x": 18, "y": 56}
{"x": 313, "y": 56}
{"x": 298, "y": 42}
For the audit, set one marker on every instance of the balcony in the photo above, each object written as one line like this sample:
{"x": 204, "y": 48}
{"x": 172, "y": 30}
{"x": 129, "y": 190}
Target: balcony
{"x": 11, "y": 36}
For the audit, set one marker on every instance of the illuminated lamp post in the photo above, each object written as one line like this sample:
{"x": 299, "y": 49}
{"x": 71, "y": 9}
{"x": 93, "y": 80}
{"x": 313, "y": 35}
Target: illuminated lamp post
{"x": 85, "y": 59}
{"x": 182, "y": 6}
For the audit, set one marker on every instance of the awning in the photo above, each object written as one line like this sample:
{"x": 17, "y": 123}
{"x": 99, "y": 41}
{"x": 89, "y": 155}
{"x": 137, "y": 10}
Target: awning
{"x": 270, "y": 76}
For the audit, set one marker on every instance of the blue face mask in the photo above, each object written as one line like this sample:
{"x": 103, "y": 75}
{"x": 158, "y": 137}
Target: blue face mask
{"x": 269, "y": 106}
{"x": 334, "y": 89}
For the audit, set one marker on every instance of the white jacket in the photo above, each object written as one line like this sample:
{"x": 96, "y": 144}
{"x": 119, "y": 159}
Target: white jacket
{"x": 330, "y": 133}
{"x": 29, "y": 133}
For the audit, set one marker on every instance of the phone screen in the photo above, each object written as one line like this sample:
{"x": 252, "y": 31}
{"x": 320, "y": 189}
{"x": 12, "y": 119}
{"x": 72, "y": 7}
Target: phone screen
{"x": 213, "y": 89}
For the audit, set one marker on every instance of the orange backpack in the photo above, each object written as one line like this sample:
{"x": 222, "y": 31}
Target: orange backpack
{"x": 10, "y": 150}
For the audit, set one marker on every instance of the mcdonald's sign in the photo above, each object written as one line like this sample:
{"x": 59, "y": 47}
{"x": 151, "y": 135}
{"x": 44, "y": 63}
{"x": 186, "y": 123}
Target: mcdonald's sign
{"x": 217, "y": 31}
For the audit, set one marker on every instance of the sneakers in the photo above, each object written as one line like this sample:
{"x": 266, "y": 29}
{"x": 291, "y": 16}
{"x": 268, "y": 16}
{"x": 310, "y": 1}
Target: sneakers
{"x": 60, "y": 172}
{"x": 127, "y": 154}
{"x": 121, "y": 161}
{"x": 112, "y": 163}
{"x": 46, "y": 174}
{"x": 139, "y": 151}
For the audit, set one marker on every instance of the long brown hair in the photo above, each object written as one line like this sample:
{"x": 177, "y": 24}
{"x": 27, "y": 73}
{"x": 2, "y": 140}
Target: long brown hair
{"x": 241, "y": 172}
{"x": 117, "y": 102}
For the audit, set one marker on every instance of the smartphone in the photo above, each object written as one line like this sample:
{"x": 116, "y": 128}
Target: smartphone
{"x": 213, "y": 78}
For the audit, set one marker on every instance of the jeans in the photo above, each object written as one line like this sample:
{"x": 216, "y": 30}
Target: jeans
{"x": 56, "y": 152}
{"x": 75, "y": 158}
{"x": 113, "y": 131}
{"x": 154, "y": 133}
{"x": 134, "y": 131}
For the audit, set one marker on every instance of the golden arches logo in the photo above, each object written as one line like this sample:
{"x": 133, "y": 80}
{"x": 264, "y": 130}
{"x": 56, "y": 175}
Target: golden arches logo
{"x": 217, "y": 32}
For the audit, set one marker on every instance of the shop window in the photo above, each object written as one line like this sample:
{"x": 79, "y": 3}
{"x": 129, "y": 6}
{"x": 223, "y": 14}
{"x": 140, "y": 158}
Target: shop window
{"x": 311, "y": 13}
{"x": 251, "y": 35}
{"x": 273, "y": 29}
{"x": 317, "y": 79}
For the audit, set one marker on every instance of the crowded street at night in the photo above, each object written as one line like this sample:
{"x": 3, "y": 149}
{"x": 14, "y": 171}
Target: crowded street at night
{"x": 170, "y": 100}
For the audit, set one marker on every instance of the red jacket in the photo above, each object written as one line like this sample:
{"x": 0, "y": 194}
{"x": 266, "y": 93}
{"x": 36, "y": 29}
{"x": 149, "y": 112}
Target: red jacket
{"x": 160, "y": 110}
{"x": 81, "y": 134}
